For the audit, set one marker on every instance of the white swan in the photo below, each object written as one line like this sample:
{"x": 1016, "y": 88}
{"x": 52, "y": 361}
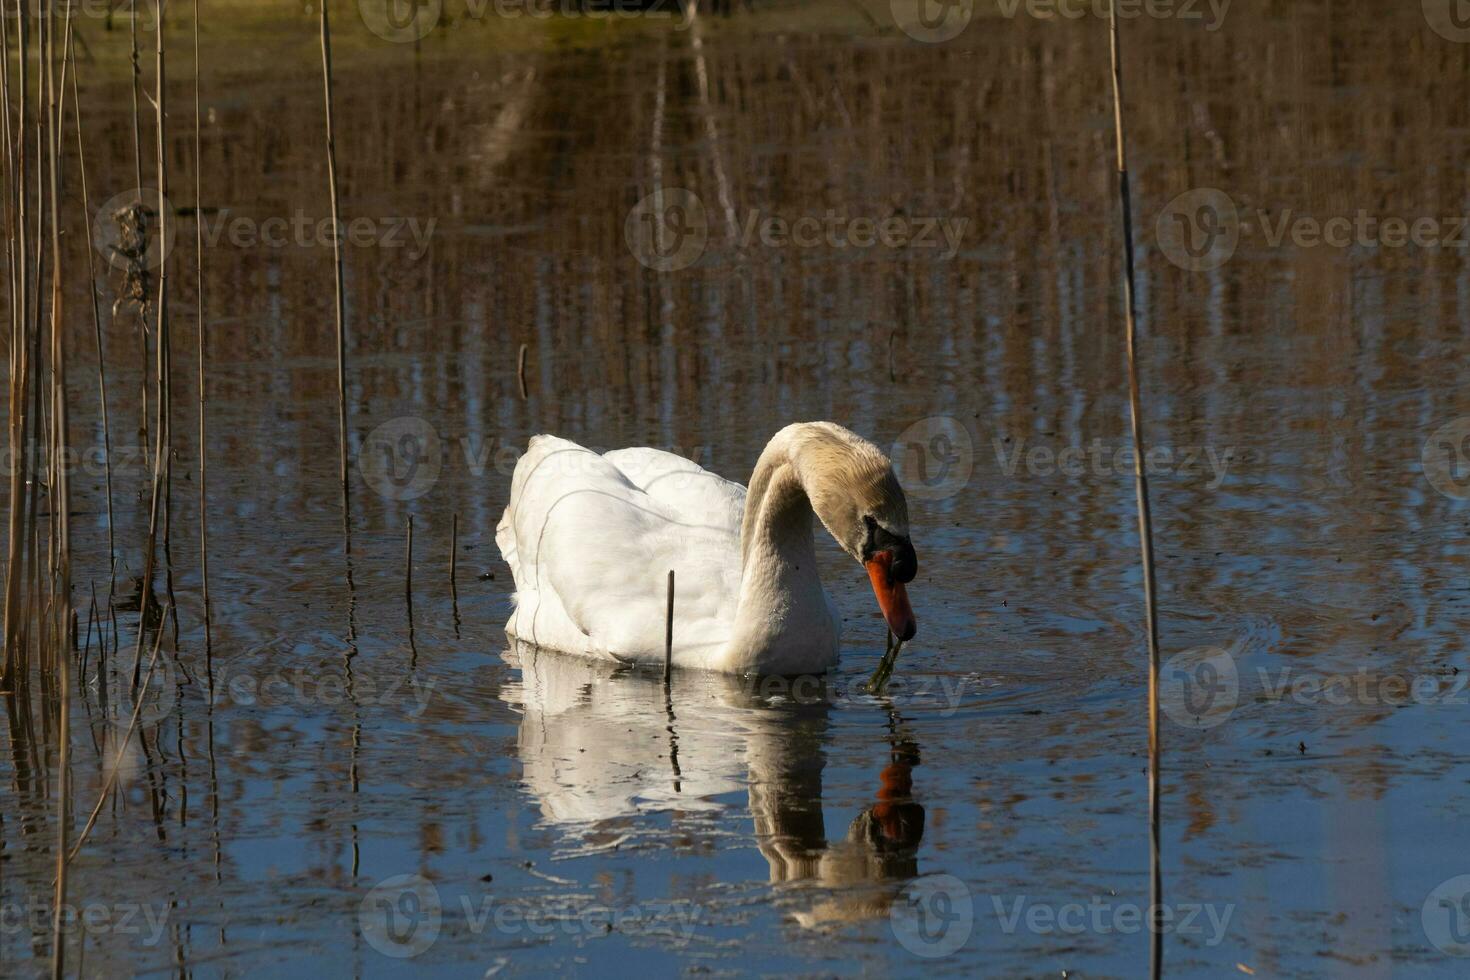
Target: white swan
{"x": 591, "y": 538}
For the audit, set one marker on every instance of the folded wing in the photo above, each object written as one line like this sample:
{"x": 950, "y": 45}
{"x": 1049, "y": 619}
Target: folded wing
{"x": 590, "y": 540}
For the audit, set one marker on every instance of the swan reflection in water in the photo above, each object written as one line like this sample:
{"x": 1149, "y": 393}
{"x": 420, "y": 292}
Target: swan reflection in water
{"x": 598, "y": 743}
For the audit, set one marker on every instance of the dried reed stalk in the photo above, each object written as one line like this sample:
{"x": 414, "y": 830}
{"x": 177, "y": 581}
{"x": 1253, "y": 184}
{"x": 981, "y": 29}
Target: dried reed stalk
{"x": 326, "y": 33}
{"x": 669, "y": 630}
{"x": 13, "y": 672}
{"x": 1145, "y": 519}
{"x": 96, "y": 314}
{"x": 453, "y": 555}
{"x": 162, "y": 458}
{"x": 203, "y": 333}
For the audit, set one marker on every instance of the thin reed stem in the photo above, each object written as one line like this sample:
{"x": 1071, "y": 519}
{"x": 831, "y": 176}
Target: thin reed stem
{"x": 453, "y": 572}
{"x": 669, "y": 630}
{"x": 203, "y": 334}
{"x": 63, "y": 815}
{"x": 161, "y": 462}
{"x": 13, "y": 671}
{"x": 60, "y": 501}
{"x": 1145, "y": 519}
{"x": 408, "y": 564}
{"x": 136, "y": 75}
{"x": 60, "y": 489}
{"x": 96, "y": 315}
{"x": 326, "y": 33}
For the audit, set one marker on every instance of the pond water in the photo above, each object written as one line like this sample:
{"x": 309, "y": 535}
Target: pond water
{"x": 349, "y": 783}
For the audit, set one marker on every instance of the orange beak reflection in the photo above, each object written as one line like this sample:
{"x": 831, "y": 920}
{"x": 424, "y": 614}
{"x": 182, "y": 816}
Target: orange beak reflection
{"x": 893, "y": 598}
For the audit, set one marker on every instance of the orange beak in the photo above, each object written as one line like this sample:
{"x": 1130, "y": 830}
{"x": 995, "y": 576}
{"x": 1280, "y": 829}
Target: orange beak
{"x": 893, "y": 598}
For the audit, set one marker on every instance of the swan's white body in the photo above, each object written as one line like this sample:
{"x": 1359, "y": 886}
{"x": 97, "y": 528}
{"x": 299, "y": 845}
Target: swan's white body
{"x": 591, "y": 539}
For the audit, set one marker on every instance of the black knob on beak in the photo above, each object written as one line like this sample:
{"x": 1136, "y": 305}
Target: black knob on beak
{"x": 905, "y": 563}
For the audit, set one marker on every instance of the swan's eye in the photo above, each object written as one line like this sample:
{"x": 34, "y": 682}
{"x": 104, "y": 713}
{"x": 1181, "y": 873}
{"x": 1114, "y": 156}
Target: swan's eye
{"x": 904, "y": 563}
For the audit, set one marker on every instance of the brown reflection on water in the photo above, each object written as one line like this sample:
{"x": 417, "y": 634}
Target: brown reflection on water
{"x": 1320, "y": 370}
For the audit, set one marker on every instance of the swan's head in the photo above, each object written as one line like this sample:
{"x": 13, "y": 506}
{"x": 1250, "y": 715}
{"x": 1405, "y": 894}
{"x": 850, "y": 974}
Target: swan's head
{"x": 854, "y": 492}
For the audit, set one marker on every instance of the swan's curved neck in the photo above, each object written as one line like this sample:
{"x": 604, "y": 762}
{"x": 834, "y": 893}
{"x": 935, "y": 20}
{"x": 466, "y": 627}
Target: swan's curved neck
{"x": 783, "y": 622}
{"x": 778, "y": 513}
